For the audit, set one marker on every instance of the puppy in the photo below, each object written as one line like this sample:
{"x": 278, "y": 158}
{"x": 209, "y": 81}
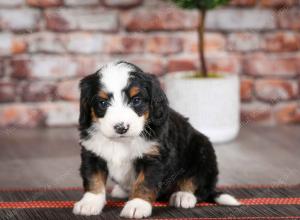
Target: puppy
{"x": 131, "y": 136}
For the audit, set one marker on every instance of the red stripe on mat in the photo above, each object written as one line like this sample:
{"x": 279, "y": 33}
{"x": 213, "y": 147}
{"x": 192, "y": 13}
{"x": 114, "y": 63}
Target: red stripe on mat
{"x": 69, "y": 204}
{"x": 80, "y": 188}
{"x": 234, "y": 218}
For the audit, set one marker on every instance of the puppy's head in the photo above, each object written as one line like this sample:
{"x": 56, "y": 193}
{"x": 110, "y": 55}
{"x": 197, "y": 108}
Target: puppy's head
{"x": 121, "y": 100}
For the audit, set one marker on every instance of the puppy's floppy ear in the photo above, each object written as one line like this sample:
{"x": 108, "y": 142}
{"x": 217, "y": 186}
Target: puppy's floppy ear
{"x": 88, "y": 87}
{"x": 159, "y": 111}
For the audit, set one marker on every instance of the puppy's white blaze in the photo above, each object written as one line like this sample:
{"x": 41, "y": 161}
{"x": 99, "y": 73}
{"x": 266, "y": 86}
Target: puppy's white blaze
{"x": 136, "y": 208}
{"x": 225, "y": 199}
{"x": 90, "y": 204}
{"x": 115, "y": 76}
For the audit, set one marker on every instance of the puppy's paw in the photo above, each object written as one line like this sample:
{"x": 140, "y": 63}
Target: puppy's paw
{"x": 182, "y": 199}
{"x": 90, "y": 204}
{"x": 136, "y": 208}
{"x": 118, "y": 192}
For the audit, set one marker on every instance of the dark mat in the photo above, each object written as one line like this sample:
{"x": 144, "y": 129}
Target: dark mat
{"x": 259, "y": 202}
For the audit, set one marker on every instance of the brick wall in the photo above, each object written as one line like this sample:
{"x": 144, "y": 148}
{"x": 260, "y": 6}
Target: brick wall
{"x": 46, "y": 46}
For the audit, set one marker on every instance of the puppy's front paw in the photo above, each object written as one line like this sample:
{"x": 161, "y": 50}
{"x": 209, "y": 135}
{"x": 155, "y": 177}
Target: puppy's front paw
{"x": 90, "y": 204}
{"x": 136, "y": 208}
{"x": 183, "y": 200}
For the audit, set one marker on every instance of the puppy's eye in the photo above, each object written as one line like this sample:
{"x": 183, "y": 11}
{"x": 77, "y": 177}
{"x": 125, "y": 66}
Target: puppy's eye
{"x": 136, "y": 101}
{"x": 103, "y": 104}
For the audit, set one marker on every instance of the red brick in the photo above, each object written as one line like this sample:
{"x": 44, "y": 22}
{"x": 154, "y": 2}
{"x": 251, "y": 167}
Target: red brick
{"x": 19, "y": 19}
{"x": 246, "y": 90}
{"x": 282, "y": 41}
{"x": 10, "y": 45}
{"x": 216, "y": 64}
{"x": 124, "y": 44}
{"x": 90, "y": 64}
{"x": 244, "y": 41}
{"x": 20, "y": 115}
{"x": 230, "y": 19}
{"x": 223, "y": 63}
{"x": 45, "y": 3}
{"x": 149, "y": 64}
{"x": 163, "y": 44}
{"x": 278, "y": 3}
{"x": 96, "y": 19}
{"x": 20, "y": 67}
{"x": 45, "y": 67}
{"x": 60, "y": 113}
{"x": 267, "y": 65}
{"x": 85, "y": 43}
{"x": 2, "y": 73}
{"x": 181, "y": 64}
{"x": 159, "y": 19}
{"x": 81, "y": 3}
{"x": 123, "y": 3}
{"x": 213, "y": 42}
{"x": 288, "y": 113}
{"x": 275, "y": 90}
{"x": 289, "y": 18}
{"x": 45, "y": 42}
{"x": 256, "y": 112}
{"x": 7, "y": 91}
{"x": 11, "y": 3}
{"x": 38, "y": 91}
{"x": 68, "y": 90}
{"x": 243, "y": 2}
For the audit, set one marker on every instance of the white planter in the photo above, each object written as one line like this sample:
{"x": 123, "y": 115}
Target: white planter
{"x": 211, "y": 104}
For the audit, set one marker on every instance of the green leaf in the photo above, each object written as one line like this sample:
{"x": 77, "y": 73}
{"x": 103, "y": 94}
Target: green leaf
{"x": 200, "y": 4}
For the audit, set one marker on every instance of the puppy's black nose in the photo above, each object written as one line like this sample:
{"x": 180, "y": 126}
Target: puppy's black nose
{"x": 120, "y": 128}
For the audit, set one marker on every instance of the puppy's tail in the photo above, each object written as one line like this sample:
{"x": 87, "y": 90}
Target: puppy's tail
{"x": 223, "y": 199}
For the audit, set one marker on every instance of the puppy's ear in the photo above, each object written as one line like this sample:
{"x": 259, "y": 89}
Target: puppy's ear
{"x": 159, "y": 110}
{"x": 88, "y": 87}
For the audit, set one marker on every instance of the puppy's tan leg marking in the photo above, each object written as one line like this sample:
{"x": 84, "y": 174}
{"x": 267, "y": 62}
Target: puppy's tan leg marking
{"x": 94, "y": 199}
{"x": 187, "y": 185}
{"x": 140, "y": 190}
{"x": 97, "y": 183}
{"x": 184, "y": 198}
{"x": 139, "y": 205}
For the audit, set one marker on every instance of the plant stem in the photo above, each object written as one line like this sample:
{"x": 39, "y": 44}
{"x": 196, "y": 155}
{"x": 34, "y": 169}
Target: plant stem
{"x": 201, "y": 30}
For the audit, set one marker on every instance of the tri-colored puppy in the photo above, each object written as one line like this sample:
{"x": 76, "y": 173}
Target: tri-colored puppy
{"x": 130, "y": 135}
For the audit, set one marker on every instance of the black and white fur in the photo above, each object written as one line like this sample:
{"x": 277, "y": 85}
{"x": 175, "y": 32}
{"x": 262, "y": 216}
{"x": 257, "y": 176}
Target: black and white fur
{"x": 183, "y": 152}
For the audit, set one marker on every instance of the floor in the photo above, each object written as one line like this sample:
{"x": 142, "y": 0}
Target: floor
{"x": 50, "y": 157}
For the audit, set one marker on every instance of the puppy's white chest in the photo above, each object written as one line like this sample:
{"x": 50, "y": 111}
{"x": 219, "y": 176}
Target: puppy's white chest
{"x": 119, "y": 155}
{"x": 122, "y": 173}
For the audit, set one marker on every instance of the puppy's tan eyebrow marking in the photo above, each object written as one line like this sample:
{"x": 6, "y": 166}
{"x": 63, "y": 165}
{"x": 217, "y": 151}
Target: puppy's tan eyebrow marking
{"x": 103, "y": 95}
{"x": 134, "y": 91}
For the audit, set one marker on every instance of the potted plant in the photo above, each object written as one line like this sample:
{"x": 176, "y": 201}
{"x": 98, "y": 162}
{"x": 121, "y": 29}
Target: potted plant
{"x": 210, "y": 100}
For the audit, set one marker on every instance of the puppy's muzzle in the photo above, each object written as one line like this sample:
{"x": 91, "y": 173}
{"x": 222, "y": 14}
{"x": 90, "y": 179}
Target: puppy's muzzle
{"x": 121, "y": 128}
